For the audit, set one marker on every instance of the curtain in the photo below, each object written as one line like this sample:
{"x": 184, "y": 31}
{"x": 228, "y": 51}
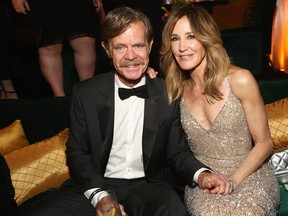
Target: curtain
{"x": 279, "y": 54}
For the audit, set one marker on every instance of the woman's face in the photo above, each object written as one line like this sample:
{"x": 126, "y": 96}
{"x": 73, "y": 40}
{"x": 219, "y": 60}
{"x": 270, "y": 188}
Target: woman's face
{"x": 187, "y": 50}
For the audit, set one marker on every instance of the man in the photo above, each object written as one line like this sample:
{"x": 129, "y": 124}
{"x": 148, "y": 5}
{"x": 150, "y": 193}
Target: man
{"x": 133, "y": 145}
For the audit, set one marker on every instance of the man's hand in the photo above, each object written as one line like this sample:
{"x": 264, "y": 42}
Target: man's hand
{"x": 108, "y": 205}
{"x": 215, "y": 183}
{"x": 98, "y": 5}
{"x": 99, "y": 212}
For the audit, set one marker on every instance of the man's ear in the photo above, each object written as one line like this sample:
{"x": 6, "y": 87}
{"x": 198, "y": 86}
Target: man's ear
{"x": 106, "y": 48}
{"x": 150, "y": 46}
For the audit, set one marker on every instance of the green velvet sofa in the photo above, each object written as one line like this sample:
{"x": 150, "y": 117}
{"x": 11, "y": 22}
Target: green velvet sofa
{"x": 272, "y": 90}
{"x": 43, "y": 118}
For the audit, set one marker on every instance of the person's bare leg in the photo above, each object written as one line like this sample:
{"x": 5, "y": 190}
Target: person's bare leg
{"x": 51, "y": 65}
{"x": 84, "y": 56}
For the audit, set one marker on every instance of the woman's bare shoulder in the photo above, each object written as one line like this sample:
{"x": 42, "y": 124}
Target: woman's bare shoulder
{"x": 240, "y": 76}
{"x": 241, "y": 81}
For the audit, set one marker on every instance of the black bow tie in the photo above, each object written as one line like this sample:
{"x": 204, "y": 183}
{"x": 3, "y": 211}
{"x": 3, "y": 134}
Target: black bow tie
{"x": 141, "y": 91}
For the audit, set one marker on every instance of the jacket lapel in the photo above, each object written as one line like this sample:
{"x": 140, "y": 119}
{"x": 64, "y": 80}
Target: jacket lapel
{"x": 105, "y": 109}
{"x": 151, "y": 120}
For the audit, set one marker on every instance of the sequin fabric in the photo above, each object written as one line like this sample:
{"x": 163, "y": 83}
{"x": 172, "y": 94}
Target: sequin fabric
{"x": 223, "y": 147}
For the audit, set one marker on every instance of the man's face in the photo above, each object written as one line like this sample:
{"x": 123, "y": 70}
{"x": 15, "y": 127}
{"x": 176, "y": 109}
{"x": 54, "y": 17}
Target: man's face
{"x": 130, "y": 53}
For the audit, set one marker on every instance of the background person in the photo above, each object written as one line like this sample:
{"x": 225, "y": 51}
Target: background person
{"x": 59, "y": 20}
{"x": 8, "y": 61}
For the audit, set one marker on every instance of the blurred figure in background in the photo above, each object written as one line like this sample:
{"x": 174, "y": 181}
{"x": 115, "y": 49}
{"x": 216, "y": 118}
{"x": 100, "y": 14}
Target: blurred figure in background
{"x": 7, "y": 68}
{"x": 76, "y": 21}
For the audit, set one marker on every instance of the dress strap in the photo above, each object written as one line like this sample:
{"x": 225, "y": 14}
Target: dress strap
{"x": 227, "y": 83}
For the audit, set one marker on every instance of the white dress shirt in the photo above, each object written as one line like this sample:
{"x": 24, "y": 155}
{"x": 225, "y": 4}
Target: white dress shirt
{"x": 126, "y": 158}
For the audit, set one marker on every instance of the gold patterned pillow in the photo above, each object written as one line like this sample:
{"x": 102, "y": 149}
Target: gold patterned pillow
{"x": 12, "y": 138}
{"x": 38, "y": 167}
{"x": 277, "y": 113}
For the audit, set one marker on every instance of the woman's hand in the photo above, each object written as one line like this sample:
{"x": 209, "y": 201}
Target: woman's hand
{"x": 215, "y": 183}
{"x": 99, "y": 10}
{"x": 98, "y": 5}
{"x": 21, "y": 6}
{"x": 152, "y": 73}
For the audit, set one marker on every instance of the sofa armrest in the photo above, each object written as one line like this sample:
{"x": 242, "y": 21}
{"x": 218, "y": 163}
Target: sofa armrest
{"x": 273, "y": 89}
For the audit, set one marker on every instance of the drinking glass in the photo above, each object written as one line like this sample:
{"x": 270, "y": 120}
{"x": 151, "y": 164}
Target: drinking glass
{"x": 109, "y": 205}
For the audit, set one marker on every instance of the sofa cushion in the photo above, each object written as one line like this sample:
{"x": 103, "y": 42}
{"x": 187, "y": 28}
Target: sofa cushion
{"x": 277, "y": 113}
{"x": 12, "y": 138}
{"x": 38, "y": 167}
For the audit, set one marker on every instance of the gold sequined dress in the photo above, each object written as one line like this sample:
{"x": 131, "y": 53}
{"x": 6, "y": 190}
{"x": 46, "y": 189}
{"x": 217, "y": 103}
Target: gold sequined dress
{"x": 223, "y": 147}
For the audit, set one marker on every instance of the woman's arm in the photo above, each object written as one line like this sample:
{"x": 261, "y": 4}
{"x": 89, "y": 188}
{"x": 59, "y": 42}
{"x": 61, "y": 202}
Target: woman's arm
{"x": 246, "y": 89}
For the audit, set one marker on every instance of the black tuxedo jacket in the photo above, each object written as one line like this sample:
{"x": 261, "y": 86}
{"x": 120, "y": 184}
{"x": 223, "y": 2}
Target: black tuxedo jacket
{"x": 166, "y": 155}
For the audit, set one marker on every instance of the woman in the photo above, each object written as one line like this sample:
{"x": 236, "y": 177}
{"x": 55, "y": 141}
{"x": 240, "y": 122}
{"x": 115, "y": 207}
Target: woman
{"x": 222, "y": 113}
